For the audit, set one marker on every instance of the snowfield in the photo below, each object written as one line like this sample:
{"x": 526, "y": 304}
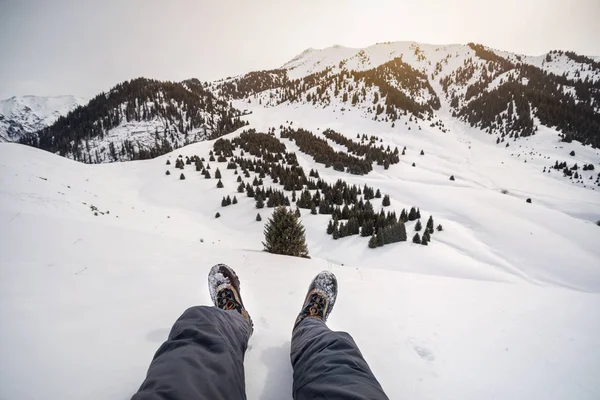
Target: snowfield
{"x": 503, "y": 304}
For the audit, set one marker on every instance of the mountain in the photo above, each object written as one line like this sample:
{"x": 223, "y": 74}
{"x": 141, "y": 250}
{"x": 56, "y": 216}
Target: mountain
{"x": 507, "y": 95}
{"x": 22, "y": 115}
{"x": 504, "y": 94}
{"x": 138, "y": 119}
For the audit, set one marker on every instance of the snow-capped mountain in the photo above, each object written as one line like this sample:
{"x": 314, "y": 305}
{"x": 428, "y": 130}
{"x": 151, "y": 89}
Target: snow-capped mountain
{"x": 22, "y": 115}
{"x": 138, "y": 119}
{"x": 505, "y": 94}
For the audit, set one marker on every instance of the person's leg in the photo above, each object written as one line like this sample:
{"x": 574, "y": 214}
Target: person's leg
{"x": 203, "y": 357}
{"x": 328, "y": 364}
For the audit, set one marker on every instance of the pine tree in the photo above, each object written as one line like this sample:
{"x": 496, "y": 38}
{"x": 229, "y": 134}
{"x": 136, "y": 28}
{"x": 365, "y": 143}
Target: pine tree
{"x": 228, "y": 200}
{"x": 168, "y": 162}
{"x": 451, "y": 177}
{"x": 425, "y": 239}
{"x": 220, "y": 184}
{"x": 377, "y": 194}
{"x": 403, "y": 216}
{"x": 168, "y": 172}
{"x": 297, "y": 212}
{"x": 224, "y": 202}
{"x": 373, "y": 242}
{"x": 412, "y": 214}
{"x": 217, "y": 174}
{"x": 440, "y": 228}
{"x": 234, "y": 201}
{"x": 260, "y": 203}
{"x": 182, "y": 176}
{"x": 417, "y": 239}
{"x": 429, "y": 225}
{"x": 241, "y": 188}
{"x": 217, "y": 215}
{"x": 422, "y": 153}
{"x": 207, "y": 175}
{"x": 239, "y": 179}
{"x": 386, "y": 201}
{"x": 330, "y": 228}
{"x": 258, "y": 217}
{"x": 313, "y": 210}
{"x": 418, "y": 225}
{"x": 380, "y": 238}
{"x": 284, "y": 234}
{"x": 336, "y": 229}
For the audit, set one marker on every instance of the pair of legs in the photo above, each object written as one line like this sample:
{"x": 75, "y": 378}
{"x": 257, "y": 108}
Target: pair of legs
{"x": 203, "y": 357}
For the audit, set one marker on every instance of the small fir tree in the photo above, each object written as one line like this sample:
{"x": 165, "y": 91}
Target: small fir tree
{"x": 386, "y": 201}
{"x": 168, "y": 172}
{"x": 330, "y": 228}
{"x": 418, "y": 226}
{"x": 234, "y": 201}
{"x": 182, "y": 176}
{"x": 258, "y": 217}
{"x": 217, "y": 174}
{"x": 380, "y": 237}
{"x": 373, "y": 242}
{"x": 417, "y": 238}
{"x": 284, "y": 234}
{"x": 217, "y": 215}
{"x": 430, "y": 225}
{"x": 220, "y": 184}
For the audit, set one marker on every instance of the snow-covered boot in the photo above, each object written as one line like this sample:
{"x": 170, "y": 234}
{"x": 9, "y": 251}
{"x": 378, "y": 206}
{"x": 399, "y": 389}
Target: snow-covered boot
{"x": 224, "y": 287}
{"x": 320, "y": 298}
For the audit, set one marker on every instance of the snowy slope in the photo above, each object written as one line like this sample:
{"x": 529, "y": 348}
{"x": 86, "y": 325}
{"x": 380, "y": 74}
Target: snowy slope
{"x": 425, "y": 57}
{"x": 501, "y": 304}
{"x": 20, "y": 115}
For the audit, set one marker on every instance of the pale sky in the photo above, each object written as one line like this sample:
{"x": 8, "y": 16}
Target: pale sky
{"x": 82, "y": 47}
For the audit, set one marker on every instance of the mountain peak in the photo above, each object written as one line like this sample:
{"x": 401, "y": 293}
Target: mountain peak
{"x": 21, "y": 115}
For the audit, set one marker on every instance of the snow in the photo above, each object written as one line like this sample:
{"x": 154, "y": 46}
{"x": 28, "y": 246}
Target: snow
{"x": 560, "y": 64}
{"x": 501, "y": 304}
{"x": 27, "y": 114}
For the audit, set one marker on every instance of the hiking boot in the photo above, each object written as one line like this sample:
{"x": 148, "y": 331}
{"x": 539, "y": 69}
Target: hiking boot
{"x": 320, "y": 298}
{"x": 224, "y": 287}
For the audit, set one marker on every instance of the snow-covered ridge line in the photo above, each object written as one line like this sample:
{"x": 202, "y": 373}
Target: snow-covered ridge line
{"x": 22, "y": 115}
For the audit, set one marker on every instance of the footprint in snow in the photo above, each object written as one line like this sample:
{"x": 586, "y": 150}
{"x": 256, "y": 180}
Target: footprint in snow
{"x": 422, "y": 350}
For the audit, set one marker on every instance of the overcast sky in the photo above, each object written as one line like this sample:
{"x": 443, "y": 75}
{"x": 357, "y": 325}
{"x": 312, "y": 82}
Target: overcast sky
{"x": 82, "y": 47}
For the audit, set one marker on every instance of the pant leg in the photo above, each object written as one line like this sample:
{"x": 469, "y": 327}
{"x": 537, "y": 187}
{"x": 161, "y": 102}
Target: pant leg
{"x": 203, "y": 358}
{"x": 329, "y": 365}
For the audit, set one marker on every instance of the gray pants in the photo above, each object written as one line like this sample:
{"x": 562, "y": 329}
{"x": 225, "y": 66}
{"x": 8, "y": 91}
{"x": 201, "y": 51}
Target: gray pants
{"x": 203, "y": 359}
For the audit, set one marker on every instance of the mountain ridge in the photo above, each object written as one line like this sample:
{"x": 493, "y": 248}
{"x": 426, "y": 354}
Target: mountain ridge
{"x": 22, "y": 115}
{"x": 503, "y": 94}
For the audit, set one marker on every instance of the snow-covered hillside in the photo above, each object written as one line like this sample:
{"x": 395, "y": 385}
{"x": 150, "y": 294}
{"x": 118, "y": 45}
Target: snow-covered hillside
{"x": 21, "y": 115}
{"x": 138, "y": 119}
{"x": 97, "y": 261}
